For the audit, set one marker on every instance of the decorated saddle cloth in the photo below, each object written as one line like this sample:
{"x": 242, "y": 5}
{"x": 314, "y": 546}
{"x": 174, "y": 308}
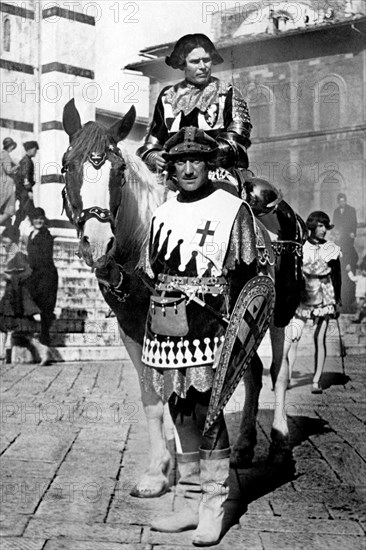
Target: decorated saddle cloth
{"x": 189, "y": 243}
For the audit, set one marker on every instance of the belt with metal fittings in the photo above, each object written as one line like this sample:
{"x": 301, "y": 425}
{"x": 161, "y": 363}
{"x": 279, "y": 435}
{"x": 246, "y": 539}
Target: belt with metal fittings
{"x": 315, "y": 276}
{"x": 286, "y": 247}
{"x": 204, "y": 285}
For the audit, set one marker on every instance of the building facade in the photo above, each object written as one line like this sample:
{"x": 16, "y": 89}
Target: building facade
{"x": 51, "y": 52}
{"x": 305, "y": 86}
{"x": 47, "y": 56}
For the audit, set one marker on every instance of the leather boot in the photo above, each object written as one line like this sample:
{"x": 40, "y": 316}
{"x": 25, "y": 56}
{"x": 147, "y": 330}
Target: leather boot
{"x": 214, "y": 472}
{"x": 186, "y": 499}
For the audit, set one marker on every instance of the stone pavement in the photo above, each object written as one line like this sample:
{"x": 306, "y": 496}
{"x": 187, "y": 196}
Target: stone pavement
{"x": 73, "y": 442}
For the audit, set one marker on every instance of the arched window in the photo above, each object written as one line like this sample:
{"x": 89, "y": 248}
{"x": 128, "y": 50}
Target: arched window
{"x": 261, "y": 112}
{"x": 330, "y": 105}
{"x": 6, "y": 34}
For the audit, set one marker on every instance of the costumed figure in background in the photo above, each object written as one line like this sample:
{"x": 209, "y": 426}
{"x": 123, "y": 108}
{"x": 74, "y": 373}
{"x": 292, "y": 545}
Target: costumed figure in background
{"x": 17, "y": 307}
{"x": 24, "y": 182}
{"x": 183, "y": 258}
{"x": 322, "y": 293}
{"x": 8, "y": 169}
{"x": 43, "y": 282}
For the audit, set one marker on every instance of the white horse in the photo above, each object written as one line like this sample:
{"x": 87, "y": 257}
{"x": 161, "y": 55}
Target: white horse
{"x": 111, "y": 198}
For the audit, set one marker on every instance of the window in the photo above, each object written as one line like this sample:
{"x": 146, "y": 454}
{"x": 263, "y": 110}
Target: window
{"x": 6, "y": 34}
{"x": 330, "y": 105}
{"x": 329, "y": 189}
{"x": 260, "y": 113}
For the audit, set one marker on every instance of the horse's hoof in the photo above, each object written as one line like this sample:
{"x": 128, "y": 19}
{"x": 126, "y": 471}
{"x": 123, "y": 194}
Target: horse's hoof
{"x": 241, "y": 458}
{"x": 280, "y": 452}
{"x": 148, "y": 493}
{"x": 316, "y": 388}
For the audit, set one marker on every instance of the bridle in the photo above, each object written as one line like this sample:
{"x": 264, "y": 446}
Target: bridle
{"x": 79, "y": 217}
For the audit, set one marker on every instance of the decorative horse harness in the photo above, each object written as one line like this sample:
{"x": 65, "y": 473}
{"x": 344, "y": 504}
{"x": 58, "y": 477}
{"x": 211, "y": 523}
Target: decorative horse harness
{"x": 103, "y": 215}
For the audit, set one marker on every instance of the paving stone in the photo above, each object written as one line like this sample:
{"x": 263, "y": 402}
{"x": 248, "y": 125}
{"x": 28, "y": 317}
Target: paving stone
{"x": 22, "y": 543}
{"x": 12, "y": 525}
{"x": 40, "y": 445}
{"x": 342, "y": 458}
{"x": 299, "y": 509}
{"x": 235, "y": 538}
{"x": 297, "y": 525}
{"x": 94, "y": 531}
{"x": 72, "y": 544}
{"x": 303, "y": 541}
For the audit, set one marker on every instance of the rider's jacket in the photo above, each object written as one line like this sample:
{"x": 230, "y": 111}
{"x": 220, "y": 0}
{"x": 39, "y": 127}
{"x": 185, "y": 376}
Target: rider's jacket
{"x": 217, "y": 108}
{"x": 204, "y": 248}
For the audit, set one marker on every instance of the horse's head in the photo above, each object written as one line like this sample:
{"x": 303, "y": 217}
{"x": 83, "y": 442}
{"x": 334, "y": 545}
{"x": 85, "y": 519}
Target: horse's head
{"x": 94, "y": 171}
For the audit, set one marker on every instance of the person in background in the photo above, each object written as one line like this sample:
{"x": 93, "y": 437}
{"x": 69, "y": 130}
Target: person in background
{"x": 345, "y": 221}
{"x": 8, "y": 169}
{"x": 24, "y": 182}
{"x": 17, "y": 308}
{"x": 43, "y": 282}
{"x": 321, "y": 298}
{"x": 360, "y": 281}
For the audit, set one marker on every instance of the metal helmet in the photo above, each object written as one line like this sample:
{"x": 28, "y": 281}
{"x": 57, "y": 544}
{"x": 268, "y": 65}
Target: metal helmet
{"x": 262, "y": 196}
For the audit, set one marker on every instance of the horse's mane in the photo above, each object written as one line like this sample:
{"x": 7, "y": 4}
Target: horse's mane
{"x": 141, "y": 195}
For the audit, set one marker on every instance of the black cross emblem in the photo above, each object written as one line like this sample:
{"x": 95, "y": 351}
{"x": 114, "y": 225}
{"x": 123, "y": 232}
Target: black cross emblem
{"x": 205, "y": 232}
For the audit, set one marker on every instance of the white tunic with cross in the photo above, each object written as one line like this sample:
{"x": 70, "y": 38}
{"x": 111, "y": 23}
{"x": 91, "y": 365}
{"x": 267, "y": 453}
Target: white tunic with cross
{"x": 201, "y": 229}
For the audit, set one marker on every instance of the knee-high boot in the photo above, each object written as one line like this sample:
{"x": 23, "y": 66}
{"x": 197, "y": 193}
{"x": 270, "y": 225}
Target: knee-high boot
{"x": 186, "y": 499}
{"x": 214, "y": 472}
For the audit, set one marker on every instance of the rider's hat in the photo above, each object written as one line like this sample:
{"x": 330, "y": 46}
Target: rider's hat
{"x": 190, "y": 141}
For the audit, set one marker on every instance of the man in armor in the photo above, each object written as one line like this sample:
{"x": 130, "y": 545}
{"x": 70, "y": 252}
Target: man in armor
{"x": 202, "y": 246}
{"x": 199, "y": 100}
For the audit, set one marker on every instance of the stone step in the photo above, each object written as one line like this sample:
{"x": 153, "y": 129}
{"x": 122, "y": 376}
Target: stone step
{"x": 353, "y": 337}
{"x": 88, "y": 353}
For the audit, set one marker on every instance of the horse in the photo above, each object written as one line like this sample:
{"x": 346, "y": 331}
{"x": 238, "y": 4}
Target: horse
{"x": 110, "y": 198}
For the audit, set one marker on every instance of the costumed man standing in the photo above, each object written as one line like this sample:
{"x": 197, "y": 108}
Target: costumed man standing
{"x": 24, "y": 182}
{"x": 321, "y": 298}
{"x": 202, "y": 244}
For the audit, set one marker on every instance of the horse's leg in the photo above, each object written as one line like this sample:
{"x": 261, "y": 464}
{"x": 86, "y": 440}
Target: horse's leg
{"x": 243, "y": 450}
{"x": 280, "y": 450}
{"x": 154, "y": 482}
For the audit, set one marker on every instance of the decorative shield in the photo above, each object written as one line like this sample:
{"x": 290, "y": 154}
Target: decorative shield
{"x": 247, "y": 326}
